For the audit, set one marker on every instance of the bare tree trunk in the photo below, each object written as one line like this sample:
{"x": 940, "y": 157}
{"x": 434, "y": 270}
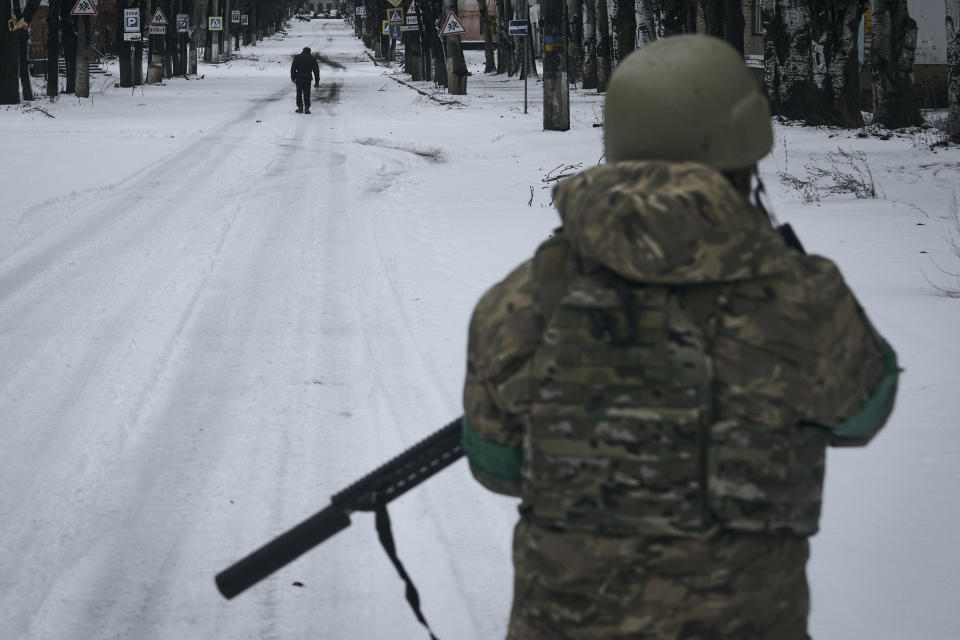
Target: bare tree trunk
{"x": 590, "y": 44}
{"x": 53, "y": 48}
{"x": 531, "y": 52}
{"x": 21, "y": 33}
{"x": 604, "y": 68}
{"x": 893, "y": 43}
{"x": 953, "y": 67}
{"x": 836, "y": 69}
{"x": 556, "y": 87}
{"x": 504, "y": 43}
{"x": 516, "y": 12}
{"x": 625, "y": 27}
{"x": 724, "y": 19}
{"x": 9, "y": 58}
{"x": 456, "y": 65}
{"x": 810, "y": 60}
{"x": 646, "y": 12}
{"x": 574, "y": 40}
{"x": 489, "y": 61}
{"x": 213, "y": 49}
{"x": 69, "y": 34}
{"x": 525, "y": 44}
{"x": 83, "y": 57}
{"x": 431, "y": 10}
{"x": 169, "y": 39}
{"x": 677, "y": 16}
{"x": 786, "y": 57}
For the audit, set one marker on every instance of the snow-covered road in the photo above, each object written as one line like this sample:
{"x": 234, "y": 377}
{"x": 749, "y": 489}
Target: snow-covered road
{"x": 195, "y": 358}
{"x": 215, "y": 313}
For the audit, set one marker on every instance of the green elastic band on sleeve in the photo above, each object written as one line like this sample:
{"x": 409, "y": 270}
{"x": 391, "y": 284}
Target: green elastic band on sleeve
{"x": 878, "y": 407}
{"x": 497, "y": 460}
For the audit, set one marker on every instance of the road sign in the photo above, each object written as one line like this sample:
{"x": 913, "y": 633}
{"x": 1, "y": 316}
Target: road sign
{"x": 215, "y": 23}
{"x": 384, "y": 28}
{"x": 361, "y": 11}
{"x": 235, "y": 17}
{"x": 159, "y": 18}
{"x": 411, "y": 18}
{"x": 157, "y": 29}
{"x": 409, "y": 27}
{"x": 244, "y": 20}
{"x": 131, "y": 20}
{"x": 395, "y": 31}
{"x": 395, "y": 3}
{"x": 394, "y": 16}
{"x": 183, "y": 23}
{"x": 83, "y": 8}
{"x": 132, "y": 37}
{"x": 452, "y": 27}
{"x": 519, "y": 28}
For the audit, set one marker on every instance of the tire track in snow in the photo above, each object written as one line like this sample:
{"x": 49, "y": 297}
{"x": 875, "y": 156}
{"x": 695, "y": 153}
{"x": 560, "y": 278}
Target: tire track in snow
{"x": 140, "y": 309}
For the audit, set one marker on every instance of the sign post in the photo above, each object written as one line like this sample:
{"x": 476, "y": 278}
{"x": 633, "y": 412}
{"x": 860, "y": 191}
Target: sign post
{"x": 158, "y": 27}
{"x": 522, "y": 28}
{"x": 235, "y": 20}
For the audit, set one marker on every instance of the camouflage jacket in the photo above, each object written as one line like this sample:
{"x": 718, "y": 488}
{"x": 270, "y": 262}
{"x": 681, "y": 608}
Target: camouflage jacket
{"x": 666, "y": 365}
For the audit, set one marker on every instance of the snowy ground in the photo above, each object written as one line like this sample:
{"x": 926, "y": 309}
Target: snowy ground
{"x": 215, "y": 313}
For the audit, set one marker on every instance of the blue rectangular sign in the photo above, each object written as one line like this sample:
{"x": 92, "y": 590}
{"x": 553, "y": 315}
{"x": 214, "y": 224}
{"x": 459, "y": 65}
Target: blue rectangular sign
{"x": 518, "y": 28}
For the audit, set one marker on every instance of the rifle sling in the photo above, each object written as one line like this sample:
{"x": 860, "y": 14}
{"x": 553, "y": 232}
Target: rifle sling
{"x": 386, "y": 539}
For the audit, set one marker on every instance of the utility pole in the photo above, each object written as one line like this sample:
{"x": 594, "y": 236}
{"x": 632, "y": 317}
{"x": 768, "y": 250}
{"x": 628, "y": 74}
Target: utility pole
{"x": 556, "y": 90}
{"x": 215, "y": 33}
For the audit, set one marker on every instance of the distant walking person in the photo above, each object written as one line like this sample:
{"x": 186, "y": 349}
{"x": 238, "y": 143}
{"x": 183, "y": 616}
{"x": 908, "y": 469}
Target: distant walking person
{"x": 303, "y": 66}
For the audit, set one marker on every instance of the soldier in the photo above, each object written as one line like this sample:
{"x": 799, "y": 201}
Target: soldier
{"x": 659, "y": 383}
{"x": 303, "y": 66}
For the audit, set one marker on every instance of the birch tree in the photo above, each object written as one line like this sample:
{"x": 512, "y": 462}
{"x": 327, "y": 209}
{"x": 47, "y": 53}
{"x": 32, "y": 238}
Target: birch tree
{"x": 589, "y": 44}
{"x": 893, "y": 44}
{"x": 574, "y": 40}
{"x": 810, "y": 60}
{"x": 648, "y": 12}
{"x": 953, "y": 67}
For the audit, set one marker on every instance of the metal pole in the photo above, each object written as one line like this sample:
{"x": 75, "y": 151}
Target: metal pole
{"x": 526, "y": 53}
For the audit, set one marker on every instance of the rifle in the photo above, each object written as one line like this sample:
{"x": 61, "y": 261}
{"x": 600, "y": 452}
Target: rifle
{"x": 370, "y": 493}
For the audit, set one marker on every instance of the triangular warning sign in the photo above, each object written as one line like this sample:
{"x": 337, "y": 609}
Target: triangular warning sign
{"x": 452, "y": 26}
{"x": 158, "y": 17}
{"x": 83, "y": 8}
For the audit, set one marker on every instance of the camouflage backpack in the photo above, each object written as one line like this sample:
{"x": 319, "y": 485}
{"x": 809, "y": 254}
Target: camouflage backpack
{"x": 617, "y": 433}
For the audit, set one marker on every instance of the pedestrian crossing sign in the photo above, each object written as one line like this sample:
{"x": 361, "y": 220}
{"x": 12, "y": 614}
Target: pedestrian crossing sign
{"x": 83, "y": 8}
{"x": 385, "y": 28}
{"x": 215, "y": 23}
{"x": 394, "y": 16}
{"x": 453, "y": 26}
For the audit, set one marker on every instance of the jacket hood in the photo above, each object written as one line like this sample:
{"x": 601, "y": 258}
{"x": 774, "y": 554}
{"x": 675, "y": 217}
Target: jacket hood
{"x": 667, "y": 223}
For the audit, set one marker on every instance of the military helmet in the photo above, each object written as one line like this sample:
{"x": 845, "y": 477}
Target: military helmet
{"x": 686, "y": 98}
